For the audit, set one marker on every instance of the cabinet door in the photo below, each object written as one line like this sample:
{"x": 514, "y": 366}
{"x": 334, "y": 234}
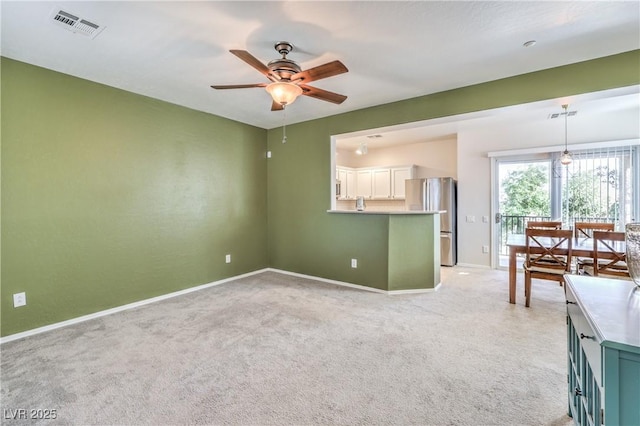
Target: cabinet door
{"x": 341, "y": 175}
{"x": 364, "y": 183}
{"x": 351, "y": 184}
{"x": 382, "y": 183}
{"x": 347, "y": 178}
{"x": 398, "y": 176}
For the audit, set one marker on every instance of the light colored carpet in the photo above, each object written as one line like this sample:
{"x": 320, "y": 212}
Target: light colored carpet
{"x": 275, "y": 349}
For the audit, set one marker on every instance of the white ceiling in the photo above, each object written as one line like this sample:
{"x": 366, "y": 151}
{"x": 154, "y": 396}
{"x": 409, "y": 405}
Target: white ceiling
{"x": 397, "y": 50}
{"x": 598, "y": 107}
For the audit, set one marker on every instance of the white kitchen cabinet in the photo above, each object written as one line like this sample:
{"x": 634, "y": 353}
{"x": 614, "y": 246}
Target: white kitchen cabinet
{"x": 347, "y": 178}
{"x": 374, "y": 183}
{"x": 398, "y": 176}
{"x": 381, "y": 179}
{"x": 364, "y": 183}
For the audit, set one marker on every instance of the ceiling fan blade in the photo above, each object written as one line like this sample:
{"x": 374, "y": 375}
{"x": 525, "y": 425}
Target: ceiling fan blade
{"x": 254, "y": 62}
{"x": 322, "y": 71}
{"x": 240, "y": 86}
{"x": 276, "y": 106}
{"x": 324, "y": 95}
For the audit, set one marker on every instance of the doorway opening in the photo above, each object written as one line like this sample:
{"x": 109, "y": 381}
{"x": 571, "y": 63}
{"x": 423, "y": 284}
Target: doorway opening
{"x": 599, "y": 185}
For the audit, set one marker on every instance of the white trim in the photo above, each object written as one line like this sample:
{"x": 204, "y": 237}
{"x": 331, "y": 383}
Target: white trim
{"x": 414, "y": 291}
{"x": 144, "y": 302}
{"x": 473, "y": 265}
{"x": 117, "y": 309}
{"x": 356, "y": 286}
{"x": 326, "y": 280}
{"x": 559, "y": 148}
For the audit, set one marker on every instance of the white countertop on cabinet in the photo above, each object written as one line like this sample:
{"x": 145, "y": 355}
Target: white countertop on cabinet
{"x": 400, "y": 212}
{"x": 612, "y": 308}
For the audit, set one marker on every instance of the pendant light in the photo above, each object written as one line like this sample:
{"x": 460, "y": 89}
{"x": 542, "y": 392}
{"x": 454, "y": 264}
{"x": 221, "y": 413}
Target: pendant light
{"x": 565, "y": 158}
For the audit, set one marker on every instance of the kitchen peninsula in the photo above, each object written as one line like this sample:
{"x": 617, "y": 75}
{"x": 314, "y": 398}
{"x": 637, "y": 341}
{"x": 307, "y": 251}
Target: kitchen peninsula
{"x": 412, "y": 246}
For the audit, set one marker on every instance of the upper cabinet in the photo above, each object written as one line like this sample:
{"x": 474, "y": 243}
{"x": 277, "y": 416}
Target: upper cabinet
{"x": 398, "y": 176}
{"x": 347, "y": 178}
{"x": 364, "y": 183}
{"x": 381, "y": 183}
{"x": 374, "y": 183}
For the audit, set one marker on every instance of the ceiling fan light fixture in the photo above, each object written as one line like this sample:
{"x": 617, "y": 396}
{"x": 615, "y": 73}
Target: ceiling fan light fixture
{"x": 284, "y": 93}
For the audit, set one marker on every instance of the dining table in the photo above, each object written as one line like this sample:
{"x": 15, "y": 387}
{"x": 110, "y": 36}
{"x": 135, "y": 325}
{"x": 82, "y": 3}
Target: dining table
{"x": 580, "y": 247}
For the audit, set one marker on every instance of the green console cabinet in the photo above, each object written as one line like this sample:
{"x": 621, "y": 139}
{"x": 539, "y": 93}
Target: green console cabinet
{"x": 603, "y": 342}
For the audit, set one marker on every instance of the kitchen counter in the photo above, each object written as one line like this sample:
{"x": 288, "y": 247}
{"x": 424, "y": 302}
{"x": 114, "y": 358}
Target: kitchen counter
{"x": 400, "y": 212}
{"x": 411, "y": 239}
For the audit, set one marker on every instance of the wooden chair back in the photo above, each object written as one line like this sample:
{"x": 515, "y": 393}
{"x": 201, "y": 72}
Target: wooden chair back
{"x": 609, "y": 258}
{"x": 549, "y": 249}
{"x": 544, "y": 224}
{"x": 586, "y": 229}
{"x": 548, "y": 256}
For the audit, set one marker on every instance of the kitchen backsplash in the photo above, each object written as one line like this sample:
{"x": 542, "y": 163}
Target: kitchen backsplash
{"x": 372, "y": 205}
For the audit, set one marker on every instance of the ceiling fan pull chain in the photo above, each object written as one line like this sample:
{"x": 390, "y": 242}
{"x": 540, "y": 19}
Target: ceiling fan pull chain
{"x": 284, "y": 124}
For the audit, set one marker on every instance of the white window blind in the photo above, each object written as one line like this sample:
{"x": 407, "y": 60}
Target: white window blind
{"x": 599, "y": 185}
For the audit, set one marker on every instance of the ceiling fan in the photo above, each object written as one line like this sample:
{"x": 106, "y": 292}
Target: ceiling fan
{"x": 288, "y": 80}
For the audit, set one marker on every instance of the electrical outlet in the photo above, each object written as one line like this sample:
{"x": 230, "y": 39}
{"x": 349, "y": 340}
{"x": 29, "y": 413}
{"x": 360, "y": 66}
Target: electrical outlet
{"x": 19, "y": 299}
{"x": 485, "y": 219}
{"x": 485, "y": 249}
{"x": 227, "y": 258}
{"x": 354, "y": 263}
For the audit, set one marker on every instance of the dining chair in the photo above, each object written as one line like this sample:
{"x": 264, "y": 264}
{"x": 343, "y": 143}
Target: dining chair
{"x": 609, "y": 258}
{"x": 585, "y": 230}
{"x": 544, "y": 224}
{"x": 548, "y": 256}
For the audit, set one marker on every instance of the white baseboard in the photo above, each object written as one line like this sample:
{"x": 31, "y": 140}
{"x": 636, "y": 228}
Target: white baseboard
{"x": 117, "y": 309}
{"x": 133, "y": 305}
{"x": 356, "y": 286}
{"x": 473, "y": 265}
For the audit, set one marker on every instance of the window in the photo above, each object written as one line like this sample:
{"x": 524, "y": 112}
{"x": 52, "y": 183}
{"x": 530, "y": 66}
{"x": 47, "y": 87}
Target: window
{"x": 598, "y": 186}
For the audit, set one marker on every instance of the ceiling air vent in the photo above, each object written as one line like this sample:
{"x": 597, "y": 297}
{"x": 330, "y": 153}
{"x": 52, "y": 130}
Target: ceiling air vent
{"x": 374, "y": 136}
{"x": 560, "y": 114}
{"x": 75, "y": 23}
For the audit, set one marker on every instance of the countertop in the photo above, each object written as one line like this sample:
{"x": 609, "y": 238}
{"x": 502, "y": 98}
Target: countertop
{"x": 401, "y": 212}
{"x": 612, "y": 308}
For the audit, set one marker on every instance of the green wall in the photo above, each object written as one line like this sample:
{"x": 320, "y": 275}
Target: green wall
{"x": 414, "y": 252}
{"x": 110, "y": 197}
{"x": 306, "y": 239}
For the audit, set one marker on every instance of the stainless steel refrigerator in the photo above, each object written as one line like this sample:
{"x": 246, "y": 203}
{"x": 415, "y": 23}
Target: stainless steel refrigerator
{"x": 437, "y": 194}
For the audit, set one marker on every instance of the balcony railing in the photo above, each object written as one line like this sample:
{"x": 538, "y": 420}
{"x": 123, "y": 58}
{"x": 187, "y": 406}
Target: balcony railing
{"x": 516, "y": 225}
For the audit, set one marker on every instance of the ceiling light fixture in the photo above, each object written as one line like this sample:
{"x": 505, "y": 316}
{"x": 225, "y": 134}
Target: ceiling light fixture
{"x": 565, "y": 158}
{"x": 284, "y": 93}
{"x": 362, "y": 149}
